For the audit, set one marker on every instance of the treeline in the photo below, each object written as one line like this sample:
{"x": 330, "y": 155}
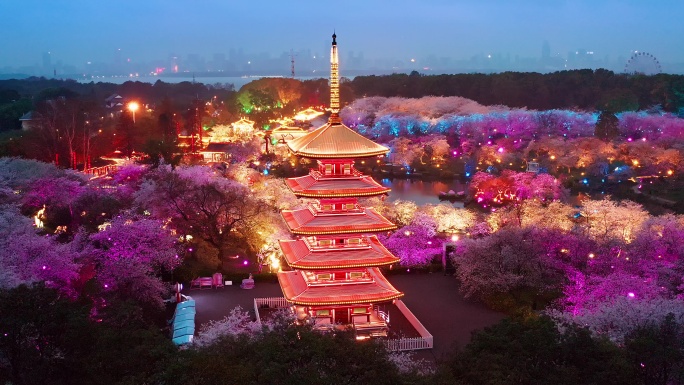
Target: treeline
{"x": 582, "y": 89}
{"x": 18, "y": 97}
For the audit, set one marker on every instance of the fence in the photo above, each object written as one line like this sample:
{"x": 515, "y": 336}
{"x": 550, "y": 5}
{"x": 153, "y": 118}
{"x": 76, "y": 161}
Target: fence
{"x": 270, "y": 302}
{"x": 425, "y": 341}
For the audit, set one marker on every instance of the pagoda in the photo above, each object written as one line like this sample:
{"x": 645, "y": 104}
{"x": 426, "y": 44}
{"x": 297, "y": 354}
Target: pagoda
{"x": 336, "y": 277}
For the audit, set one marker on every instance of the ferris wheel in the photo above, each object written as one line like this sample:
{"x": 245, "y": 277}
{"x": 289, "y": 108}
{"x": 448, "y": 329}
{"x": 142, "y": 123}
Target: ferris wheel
{"x": 643, "y": 63}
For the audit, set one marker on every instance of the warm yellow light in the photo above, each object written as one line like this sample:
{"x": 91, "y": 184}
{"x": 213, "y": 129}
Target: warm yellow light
{"x": 635, "y": 162}
{"x": 670, "y": 172}
{"x": 133, "y": 106}
{"x": 591, "y": 255}
{"x": 553, "y": 157}
{"x": 454, "y": 238}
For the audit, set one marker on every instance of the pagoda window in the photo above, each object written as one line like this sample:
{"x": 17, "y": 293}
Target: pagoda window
{"x": 349, "y": 206}
{"x": 354, "y": 241}
{"x": 360, "y": 310}
{"x": 323, "y": 313}
{"x": 328, "y": 169}
{"x": 355, "y": 275}
{"x": 325, "y": 242}
{"x": 327, "y": 207}
{"x": 346, "y": 169}
{"x": 324, "y": 277}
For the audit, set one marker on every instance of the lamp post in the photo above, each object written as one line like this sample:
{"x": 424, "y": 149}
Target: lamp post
{"x": 133, "y": 106}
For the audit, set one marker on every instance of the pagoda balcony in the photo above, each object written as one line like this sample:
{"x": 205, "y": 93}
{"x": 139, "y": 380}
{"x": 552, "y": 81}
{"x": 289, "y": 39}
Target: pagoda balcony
{"x": 353, "y": 174}
{"x": 327, "y": 243}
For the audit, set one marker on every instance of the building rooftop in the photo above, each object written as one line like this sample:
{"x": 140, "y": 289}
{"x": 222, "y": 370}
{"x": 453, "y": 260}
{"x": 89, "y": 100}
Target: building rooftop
{"x": 335, "y": 140}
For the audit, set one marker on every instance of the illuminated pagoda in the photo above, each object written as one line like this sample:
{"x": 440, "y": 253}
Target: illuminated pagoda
{"x": 336, "y": 278}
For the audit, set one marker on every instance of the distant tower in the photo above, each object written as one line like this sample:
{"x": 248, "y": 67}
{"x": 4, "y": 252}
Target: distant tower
{"x": 292, "y": 55}
{"x": 334, "y": 83}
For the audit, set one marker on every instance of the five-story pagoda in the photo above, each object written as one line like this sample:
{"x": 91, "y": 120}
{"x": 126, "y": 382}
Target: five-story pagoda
{"x": 336, "y": 277}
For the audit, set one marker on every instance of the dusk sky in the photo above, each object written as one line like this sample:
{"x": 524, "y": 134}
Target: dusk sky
{"x": 77, "y": 31}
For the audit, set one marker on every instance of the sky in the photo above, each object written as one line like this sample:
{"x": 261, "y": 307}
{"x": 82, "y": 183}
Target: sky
{"x": 77, "y": 31}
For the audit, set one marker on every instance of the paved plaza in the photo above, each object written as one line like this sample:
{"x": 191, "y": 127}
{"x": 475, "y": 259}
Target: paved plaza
{"x": 433, "y": 298}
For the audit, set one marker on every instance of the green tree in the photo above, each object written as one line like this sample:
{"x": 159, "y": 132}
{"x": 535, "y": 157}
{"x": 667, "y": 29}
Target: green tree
{"x": 607, "y": 126}
{"x": 533, "y": 351}
{"x": 658, "y": 352}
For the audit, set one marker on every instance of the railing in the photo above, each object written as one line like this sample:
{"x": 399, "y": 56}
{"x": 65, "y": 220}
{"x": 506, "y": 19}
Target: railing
{"x": 425, "y": 341}
{"x": 382, "y": 314}
{"x": 270, "y": 302}
{"x": 401, "y": 344}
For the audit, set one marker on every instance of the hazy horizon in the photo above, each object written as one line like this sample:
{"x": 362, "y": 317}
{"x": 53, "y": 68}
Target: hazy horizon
{"x": 76, "y": 32}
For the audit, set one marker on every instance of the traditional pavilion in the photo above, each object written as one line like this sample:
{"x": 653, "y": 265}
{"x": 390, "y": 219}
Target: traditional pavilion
{"x": 336, "y": 277}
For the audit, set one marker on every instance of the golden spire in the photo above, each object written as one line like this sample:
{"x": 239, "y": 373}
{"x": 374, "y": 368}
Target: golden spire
{"x": 334, "y": 84}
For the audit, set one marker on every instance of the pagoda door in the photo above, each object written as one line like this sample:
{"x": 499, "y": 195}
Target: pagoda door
{"x": 342, "y": 316}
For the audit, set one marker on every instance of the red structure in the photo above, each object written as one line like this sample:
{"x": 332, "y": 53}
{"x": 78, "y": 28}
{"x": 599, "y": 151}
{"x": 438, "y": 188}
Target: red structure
{"x": 335, "y": 277}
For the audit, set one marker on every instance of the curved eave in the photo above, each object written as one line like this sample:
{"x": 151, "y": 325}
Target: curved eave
{"x": 338, "y": 155}
{"x": 347, "y": 231}
{"x": 350, "y": 302}
{"x": 305, "y": 266}
{"x": 342, "y": 194}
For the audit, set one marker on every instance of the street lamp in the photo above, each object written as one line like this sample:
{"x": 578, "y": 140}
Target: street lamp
{"x": 133, "y": 106}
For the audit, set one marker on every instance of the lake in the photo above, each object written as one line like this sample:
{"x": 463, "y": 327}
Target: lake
{"x": 421, "y": 192}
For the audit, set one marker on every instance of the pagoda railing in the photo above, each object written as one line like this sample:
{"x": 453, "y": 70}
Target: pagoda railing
{"x": 354, "y": 174}
{"x": 425, "y": 341}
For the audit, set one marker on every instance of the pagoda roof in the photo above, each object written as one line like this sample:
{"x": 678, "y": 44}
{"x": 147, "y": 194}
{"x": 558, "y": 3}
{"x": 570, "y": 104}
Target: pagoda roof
{"x": 315, "y": 185}
{"x": 335, "y": 140}
{"x": 305, "y": 254}
{"x": 297, "y": 290}
{"x": 308, "y": 221}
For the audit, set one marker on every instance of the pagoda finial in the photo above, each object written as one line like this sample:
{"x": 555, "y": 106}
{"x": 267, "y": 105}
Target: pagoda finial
{"x": 334, "y": 84}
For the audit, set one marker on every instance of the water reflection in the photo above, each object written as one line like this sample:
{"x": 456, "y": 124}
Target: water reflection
{"x": 419, "y": 191}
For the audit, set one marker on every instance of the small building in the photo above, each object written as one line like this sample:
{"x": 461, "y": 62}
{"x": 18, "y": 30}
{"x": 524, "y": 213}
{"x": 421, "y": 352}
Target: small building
{"x": 29, "y": 120}
{"x": 115, "y": 102}
{"x": 216, "y": 152}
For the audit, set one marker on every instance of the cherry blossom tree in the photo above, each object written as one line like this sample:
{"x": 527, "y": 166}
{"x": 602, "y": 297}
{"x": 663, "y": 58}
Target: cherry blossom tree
{"x": 450, "y": 219}
{"x": 131, "y": 254}
{"x": 415, "y": 244}
{"x": 618, "y": 317}
{"x": 402, "y": 212}
{"x": 609, "y": 220}
{"x": 508, "y": 261}
{"x": 27, "y": 257}
{"x": 202, "y": 204}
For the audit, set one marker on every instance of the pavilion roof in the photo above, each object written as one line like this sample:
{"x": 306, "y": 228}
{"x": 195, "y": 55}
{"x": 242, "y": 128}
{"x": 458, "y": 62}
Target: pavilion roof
{"x": 297, "y": 291}
{"x": 307, "y": 221}
{"x": 300, "y": 254}
{"x": 335, "y": 140}
{"x": 314, "y": 185}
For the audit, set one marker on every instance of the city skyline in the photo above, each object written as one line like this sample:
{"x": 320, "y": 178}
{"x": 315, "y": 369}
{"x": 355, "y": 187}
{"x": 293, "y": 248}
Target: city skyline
{"x": 465, "y": 35}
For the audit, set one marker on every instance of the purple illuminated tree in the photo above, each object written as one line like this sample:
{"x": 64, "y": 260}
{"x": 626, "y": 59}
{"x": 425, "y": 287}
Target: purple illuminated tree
{"x": 27, "y": 257}
{"x": 131, "y": 254}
